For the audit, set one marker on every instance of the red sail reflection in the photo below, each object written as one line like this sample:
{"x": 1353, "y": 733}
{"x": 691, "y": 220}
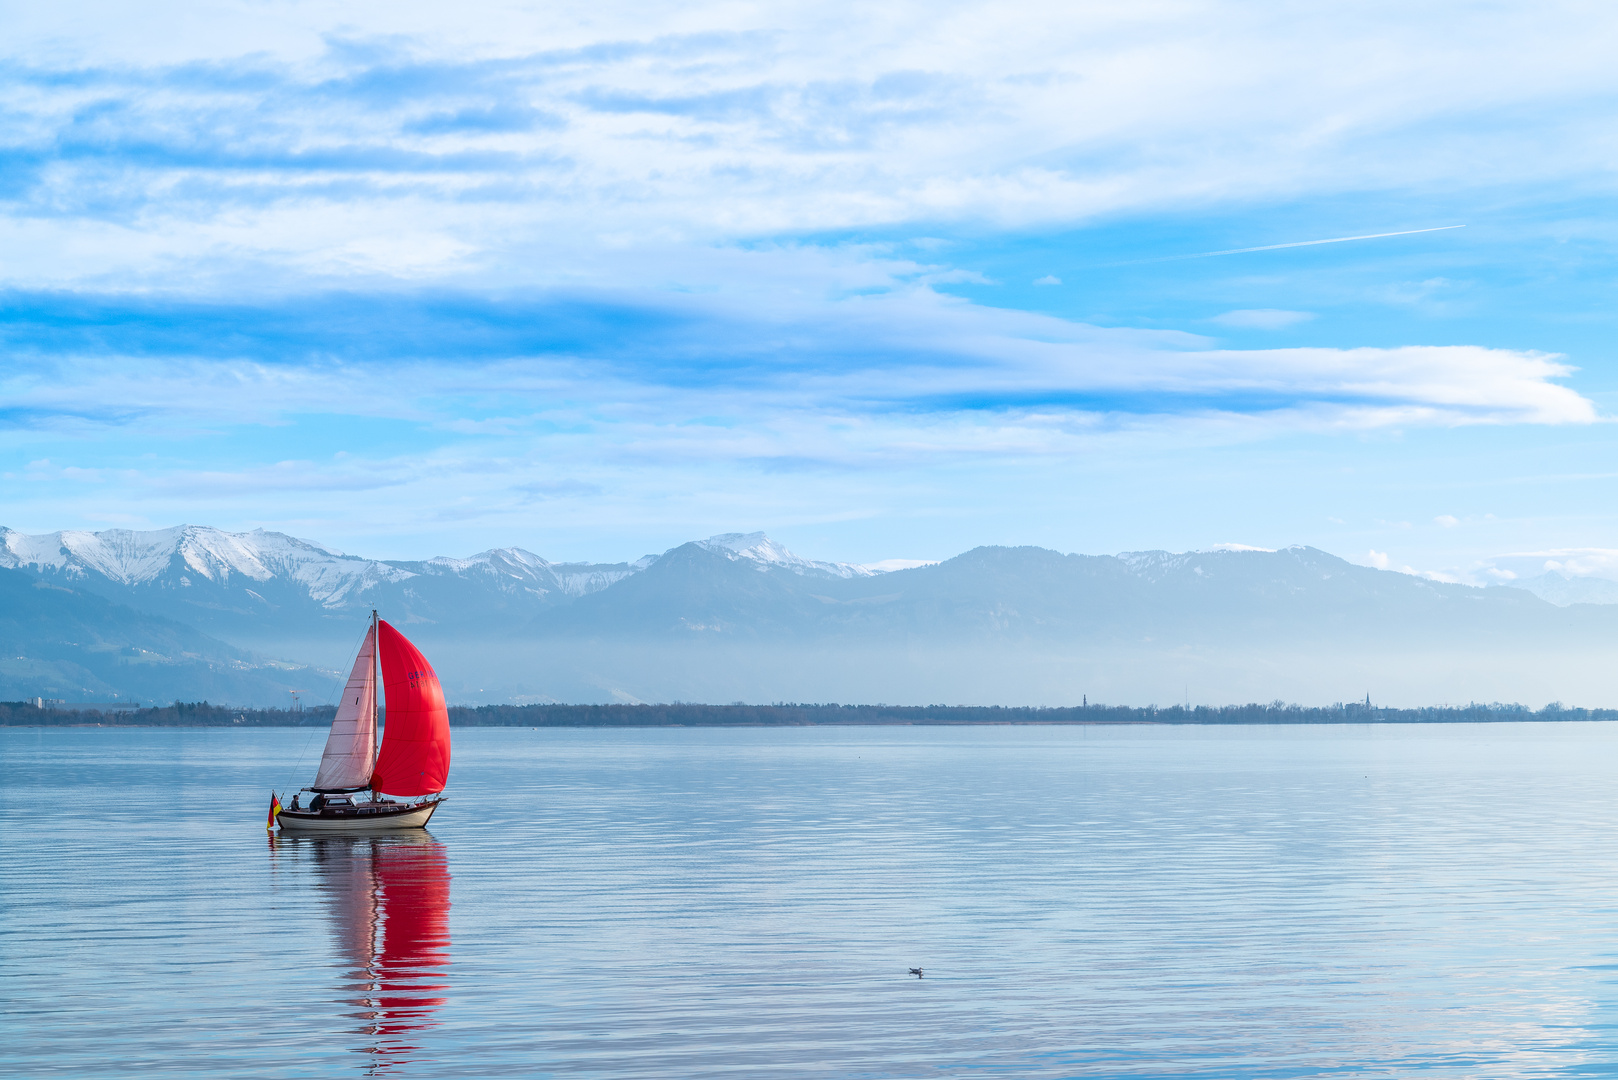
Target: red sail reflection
{"x": 388, "y": 899}
{"x": 413, "y": 892}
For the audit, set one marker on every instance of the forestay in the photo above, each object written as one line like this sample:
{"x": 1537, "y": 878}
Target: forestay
{"x": 351, "y": 746}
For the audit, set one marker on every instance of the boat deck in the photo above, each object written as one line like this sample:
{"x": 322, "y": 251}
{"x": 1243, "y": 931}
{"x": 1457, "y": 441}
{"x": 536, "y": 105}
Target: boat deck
{"x": 359, "y": 817}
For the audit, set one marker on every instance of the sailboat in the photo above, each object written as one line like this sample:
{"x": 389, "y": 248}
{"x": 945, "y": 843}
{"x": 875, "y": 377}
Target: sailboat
{"x": 357, "y": 789}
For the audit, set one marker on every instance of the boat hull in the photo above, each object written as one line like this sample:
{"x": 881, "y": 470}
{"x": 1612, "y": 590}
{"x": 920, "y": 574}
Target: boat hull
{"x": 409, "y": 817}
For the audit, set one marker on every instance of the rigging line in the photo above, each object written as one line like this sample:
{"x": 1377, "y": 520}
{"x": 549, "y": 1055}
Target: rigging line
{"x": 348, "y": 665}
{"x": 299, "y": 762}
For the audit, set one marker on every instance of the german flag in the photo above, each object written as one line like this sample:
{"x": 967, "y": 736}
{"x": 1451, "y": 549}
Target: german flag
{"x": 275, "y": 808}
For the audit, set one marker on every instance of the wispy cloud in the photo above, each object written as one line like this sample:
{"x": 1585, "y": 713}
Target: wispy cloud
{"x": 1569, "y": 562}
{"x": 908, "y": 352}
{"x": 781, "y": 121}
{"x": 585, "y": 256}
{"x": 1262, "y": 318}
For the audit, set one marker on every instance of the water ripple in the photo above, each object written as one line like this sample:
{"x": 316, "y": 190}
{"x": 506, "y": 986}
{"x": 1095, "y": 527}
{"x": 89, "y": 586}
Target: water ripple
{"x": 1086, "y": 902}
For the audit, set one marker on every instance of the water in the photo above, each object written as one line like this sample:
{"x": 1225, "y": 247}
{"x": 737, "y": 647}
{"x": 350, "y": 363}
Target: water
{"x": 1086, "y": 902}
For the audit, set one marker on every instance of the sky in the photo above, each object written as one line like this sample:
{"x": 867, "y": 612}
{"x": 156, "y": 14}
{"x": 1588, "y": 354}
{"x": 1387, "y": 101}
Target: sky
{"x": 886, "y": 281}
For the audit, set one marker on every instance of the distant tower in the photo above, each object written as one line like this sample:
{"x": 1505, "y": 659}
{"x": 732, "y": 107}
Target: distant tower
{"x": 1367, "y": 700}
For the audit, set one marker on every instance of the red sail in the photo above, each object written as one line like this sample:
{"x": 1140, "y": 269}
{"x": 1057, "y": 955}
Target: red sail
{"x": 415, "y": 741}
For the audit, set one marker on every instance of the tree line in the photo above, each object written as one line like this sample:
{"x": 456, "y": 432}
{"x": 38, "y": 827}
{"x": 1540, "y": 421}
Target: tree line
{"x": 687, "y": 714}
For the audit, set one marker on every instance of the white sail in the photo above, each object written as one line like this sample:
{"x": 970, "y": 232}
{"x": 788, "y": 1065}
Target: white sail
{"x": 351, "y": 746}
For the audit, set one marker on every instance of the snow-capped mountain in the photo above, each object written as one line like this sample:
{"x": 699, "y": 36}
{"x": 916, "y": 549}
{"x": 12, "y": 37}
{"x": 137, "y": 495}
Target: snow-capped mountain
{"x": 737, "y": 616}
{"x": 761, "y": 550}
{"x": 260, "y": 587}
{"x": 513, "y": 570}
{"x": 189, "y": 555}
{"x": 249, "y": 584}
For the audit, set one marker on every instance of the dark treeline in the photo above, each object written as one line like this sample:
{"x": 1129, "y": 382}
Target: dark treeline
{"x": 681, "y": 713}
{"x": 179, "y": 714}
{"x": 202, "y": 714}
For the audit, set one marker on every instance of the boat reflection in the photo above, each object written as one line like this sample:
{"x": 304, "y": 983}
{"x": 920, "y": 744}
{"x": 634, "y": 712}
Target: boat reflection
{"x": 388, "y": 900}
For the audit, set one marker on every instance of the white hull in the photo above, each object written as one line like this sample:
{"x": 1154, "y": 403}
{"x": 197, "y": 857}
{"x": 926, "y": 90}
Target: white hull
{"x": 305, "y": 822}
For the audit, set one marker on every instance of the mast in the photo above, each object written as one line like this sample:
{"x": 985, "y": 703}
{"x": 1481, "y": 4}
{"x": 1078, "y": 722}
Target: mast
{"x": 376, "y": 692}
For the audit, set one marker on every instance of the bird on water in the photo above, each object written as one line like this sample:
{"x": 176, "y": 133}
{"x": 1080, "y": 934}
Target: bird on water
{"x": 916, "y": 972}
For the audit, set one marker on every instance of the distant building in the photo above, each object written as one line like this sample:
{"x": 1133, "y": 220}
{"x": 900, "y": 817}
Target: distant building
{"x": 85, "y": 706}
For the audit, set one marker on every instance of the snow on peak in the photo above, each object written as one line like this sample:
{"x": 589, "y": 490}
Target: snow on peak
{"x": 123, "y": 555}
{"x": 506, "y": 557}
{"x": 1153, "y": 565}
{"x": 132, "y": 557}
{"x": 581, "y": 579}
{"x": 535, "y": 574}
{"x": 758, "y": 548}
{"x": 200, "y": 553}
{"x": 888, "y": 566}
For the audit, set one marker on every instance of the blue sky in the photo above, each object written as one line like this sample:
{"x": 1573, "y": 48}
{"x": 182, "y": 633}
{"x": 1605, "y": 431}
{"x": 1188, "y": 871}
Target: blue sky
{"x": 886, "y": 281}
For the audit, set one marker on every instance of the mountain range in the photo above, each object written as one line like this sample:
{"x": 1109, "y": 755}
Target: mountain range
{"x": 71, "y": 645}
{"x": 267, "y": 583}
{"x": 1565, "y": 590}
{"x": 738, "y": 617}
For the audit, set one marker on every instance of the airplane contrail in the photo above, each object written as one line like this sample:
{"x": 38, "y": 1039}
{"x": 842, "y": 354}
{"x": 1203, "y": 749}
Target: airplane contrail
{"x": 1302, "y": 243}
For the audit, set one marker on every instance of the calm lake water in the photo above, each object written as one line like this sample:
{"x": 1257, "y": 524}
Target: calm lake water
{"x": 1086, "y": 902}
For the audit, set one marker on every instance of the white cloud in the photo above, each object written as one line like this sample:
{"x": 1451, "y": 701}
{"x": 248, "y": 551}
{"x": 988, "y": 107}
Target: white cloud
{"x": 1424, "y": 294}
{"x": 1380, "y": 560}
{"x": 314, "y": 138}
{"x": 1263, "y": 318}
{"x": 1048, "y": 279}
{"x": 663, "y": 161}
{"x": 887, "y": 566}
{"x": 931, "y": 356}
{"x": 1569, "y": 562}
{"x": 1448, "y": 521}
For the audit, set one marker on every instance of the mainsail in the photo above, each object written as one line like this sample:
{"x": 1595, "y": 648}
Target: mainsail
{"x": 351, "y": 746}
{"x": 415, "y": 742}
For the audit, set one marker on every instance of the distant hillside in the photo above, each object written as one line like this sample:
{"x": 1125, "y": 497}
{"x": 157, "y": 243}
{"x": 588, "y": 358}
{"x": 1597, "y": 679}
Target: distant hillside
{"x": 1564, "y": 591}
{"x": 1032, "y": 594}
{"x": 737, "y": 617}
{"x": 64, "y": 643}
{"x": 1032, "y": 626}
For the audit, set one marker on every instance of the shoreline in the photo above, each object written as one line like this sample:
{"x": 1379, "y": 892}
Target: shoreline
{"x": 1357, "y": 722}
{"x": 687, "y": 714}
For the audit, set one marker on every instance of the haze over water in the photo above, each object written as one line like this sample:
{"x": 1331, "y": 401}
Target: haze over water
{"x": 1086, "y": 902}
